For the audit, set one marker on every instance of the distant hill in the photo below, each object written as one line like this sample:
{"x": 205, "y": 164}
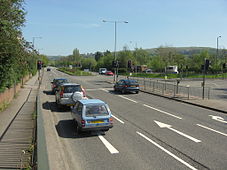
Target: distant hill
{"x": 54, "y": 57}
{"x": 185, "y": 50}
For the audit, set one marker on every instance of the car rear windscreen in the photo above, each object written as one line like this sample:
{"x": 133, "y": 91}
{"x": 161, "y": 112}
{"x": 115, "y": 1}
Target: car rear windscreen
{"x": 131, "y": 82}
{"x": 72, "y": 89}
{"x": 96, "y": 110}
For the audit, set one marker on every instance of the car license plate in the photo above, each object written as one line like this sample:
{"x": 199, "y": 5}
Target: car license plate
{"x": 97, "y": 121}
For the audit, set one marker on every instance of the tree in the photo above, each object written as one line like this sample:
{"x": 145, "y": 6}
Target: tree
{"x": 142, "y": 57}
{"x": 98, "y": 55}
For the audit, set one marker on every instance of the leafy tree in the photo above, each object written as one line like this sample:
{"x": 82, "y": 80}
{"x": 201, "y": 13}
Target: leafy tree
{"x": 141, "y": 56}
{"x": 89, "y": 63}
{"x": 98, "y": 55}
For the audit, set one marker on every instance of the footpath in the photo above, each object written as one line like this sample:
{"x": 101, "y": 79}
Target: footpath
{"x": 17, "y": 128}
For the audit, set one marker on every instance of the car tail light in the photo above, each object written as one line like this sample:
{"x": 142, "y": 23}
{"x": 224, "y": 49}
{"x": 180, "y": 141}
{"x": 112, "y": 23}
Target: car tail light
{"x": 61, "y": 94}
{"x": 126, "y": 86}
{"x": 111, "y": 120}
{"x": 83, "y": 123}
{"x": 137, "y": 85}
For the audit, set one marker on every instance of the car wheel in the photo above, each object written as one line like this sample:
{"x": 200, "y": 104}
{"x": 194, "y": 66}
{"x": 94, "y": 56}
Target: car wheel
{"x": 137, "y": 92}
{"x": 123, "y": 91}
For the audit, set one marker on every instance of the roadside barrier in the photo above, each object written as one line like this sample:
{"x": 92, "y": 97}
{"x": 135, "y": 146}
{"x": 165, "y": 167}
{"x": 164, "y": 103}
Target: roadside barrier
{"x": 42, "y": 158}
{"x": 173, "y": 89}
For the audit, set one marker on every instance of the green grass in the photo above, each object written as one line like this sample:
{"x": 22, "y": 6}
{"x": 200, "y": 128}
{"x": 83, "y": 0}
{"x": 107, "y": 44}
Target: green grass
{"x": 172, "y": 76}
{"x": 75, "y": 72}
{"x": 3, "y": 106}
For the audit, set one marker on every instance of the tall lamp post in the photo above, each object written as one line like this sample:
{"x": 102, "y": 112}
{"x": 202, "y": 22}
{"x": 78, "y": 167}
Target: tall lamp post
{"x": 115, "y": 41}
{"x": 217, "y": 51}
{"x": 33, "y": 41}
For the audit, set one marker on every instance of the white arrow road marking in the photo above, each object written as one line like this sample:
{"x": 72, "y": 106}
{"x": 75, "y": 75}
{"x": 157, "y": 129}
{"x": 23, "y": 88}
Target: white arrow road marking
{"x": 108, "y": 145}
{"x": 118, "y": 119}
{"x": 168, "y": 152}
{"x": 162, "y": 111}
{"x": 218, "y": 118}
{"x": 105, "y": 90}
{"x": 163, "y": 125}
{"x": 128, "y": 99}
{"x": 211, "y": 129}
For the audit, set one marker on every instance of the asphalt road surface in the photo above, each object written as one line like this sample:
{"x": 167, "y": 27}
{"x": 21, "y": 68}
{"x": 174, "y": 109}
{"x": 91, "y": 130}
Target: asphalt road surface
{"x": 149, "y": 132}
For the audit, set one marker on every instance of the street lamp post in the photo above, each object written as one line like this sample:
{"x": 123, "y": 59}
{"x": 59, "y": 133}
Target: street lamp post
{"x": 217, "y": 51}
{"x": 115, "y": 43}
{"x": 33, "y": 41}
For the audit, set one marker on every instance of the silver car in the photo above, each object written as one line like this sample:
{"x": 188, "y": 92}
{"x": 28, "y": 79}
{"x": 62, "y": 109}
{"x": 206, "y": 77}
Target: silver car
{"x": 68, "y": 93}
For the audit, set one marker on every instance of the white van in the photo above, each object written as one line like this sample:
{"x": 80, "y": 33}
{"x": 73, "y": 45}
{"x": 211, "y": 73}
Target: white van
{"x": 102, "y": 70}
{"x": 171, "y": 69}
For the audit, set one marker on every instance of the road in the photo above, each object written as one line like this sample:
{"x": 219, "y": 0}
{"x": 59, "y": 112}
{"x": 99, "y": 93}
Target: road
{"x": 149, "y": 132}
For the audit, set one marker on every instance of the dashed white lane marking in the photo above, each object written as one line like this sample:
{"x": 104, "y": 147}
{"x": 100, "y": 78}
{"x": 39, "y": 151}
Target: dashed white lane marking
{"x": 211, "y": 129}
{"x": 128, "y": 99}
{"x": 162, "y": 111}
{"x": 168, "y": 152}
{"x": 108, "y": 145}
{"x": 118, "y": 119}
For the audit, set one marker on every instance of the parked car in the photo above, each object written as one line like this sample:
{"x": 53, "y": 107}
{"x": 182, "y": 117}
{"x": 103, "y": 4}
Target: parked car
{"x": 68, "y": 93}
{"x": 127, "y": 85}
{"x": 92, "y": 115}
{"x": 48, "y": 69}
{"x": 109, "y": 73}
{"x": 56, "y": 82}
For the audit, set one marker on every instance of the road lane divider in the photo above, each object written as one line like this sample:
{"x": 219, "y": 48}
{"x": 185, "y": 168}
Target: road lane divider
{"x": 224, "y": 134}
{"x": 128, "y": 99}
{"x": 108, "y": 145}
{"x": 118, "y": 119}
{"x": 162, "y": 111}
{"x": 163, "y": 125}
{"x": 166, "y": 151}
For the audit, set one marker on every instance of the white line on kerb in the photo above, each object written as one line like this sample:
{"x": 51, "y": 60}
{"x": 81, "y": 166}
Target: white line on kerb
{"x": 211, "y": 129}
{"x": 118, "y": 119}
{"x": 128, "y": 99}
{"x": 108, "y": 145}
{"x": 168, "y": 152}
{"x": 162, "y": 111}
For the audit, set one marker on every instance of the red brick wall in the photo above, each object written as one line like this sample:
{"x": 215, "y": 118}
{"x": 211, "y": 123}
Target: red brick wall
{"x": 8, "y": 94}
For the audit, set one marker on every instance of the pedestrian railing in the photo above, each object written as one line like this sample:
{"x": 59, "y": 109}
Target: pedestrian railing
{"x": 171, "y": 89}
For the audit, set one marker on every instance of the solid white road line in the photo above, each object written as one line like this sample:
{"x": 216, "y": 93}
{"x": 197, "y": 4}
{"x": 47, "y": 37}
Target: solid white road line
{"x": 162, "y": 111}
{"x": 118, "y": 119}
{"x": 128, "y": 99}
{"x": 211, "y": 129}
{"x": 168, "y": 152}
{"x": 108, "y": 145}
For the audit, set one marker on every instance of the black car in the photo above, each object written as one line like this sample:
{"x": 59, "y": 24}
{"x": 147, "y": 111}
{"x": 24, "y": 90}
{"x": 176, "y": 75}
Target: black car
{"x": 48, "y": 69}
{"x": 56, "y": 82}
{"x": 127, "y": 85}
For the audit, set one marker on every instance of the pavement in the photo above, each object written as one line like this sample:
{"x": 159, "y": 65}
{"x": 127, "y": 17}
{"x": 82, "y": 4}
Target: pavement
{"x": 17, "y": 126}
{"x": 27, "y": 97}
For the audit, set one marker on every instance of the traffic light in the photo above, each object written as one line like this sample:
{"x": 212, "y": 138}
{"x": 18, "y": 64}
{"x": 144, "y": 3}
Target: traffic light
{"x": 129, "y": 64}
{"x": 207, "y": 63}
{"x": 115, "y": 64}
{"x": 39, "y": 65}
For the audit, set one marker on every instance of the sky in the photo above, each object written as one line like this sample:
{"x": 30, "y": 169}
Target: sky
{"x": 57, "y": 27}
